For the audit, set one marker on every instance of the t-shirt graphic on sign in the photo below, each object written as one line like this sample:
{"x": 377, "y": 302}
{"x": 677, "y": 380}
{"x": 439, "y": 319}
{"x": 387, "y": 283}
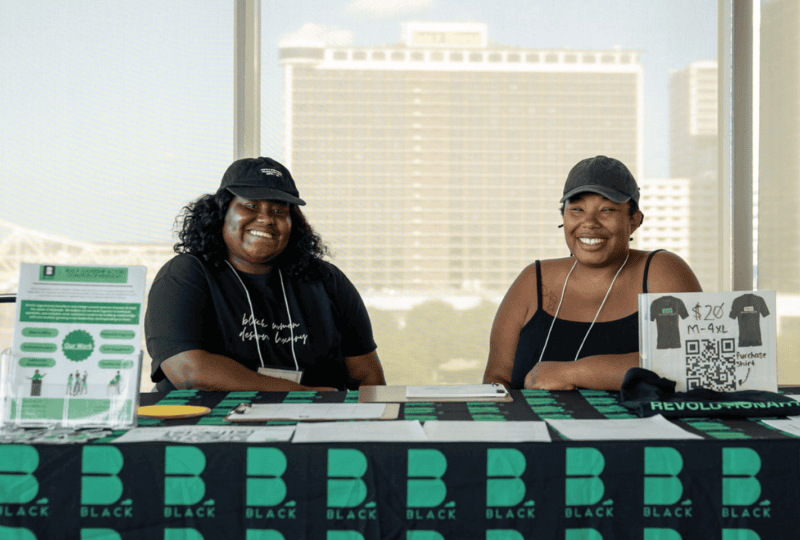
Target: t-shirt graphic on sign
{"x": 665, "y": 311}
{"x": 747, "y": 309}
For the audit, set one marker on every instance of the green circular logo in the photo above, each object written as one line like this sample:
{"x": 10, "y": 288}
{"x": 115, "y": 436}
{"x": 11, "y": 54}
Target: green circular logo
{"x": 78, "y": 345}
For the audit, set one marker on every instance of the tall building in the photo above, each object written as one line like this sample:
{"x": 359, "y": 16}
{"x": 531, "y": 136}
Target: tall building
{"x": 665, "y": 204}
{"x": 693, "y": 155}
{"x": 438, "y": 163}
{"x": 779, "y": 159}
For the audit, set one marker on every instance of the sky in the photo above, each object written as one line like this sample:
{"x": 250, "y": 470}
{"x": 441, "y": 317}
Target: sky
{"x": 116, "y": 114}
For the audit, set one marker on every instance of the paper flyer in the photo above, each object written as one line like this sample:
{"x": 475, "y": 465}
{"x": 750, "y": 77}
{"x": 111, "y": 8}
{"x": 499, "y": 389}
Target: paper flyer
{"x": 76, "y": 354}
{"x": 723, "y": 341}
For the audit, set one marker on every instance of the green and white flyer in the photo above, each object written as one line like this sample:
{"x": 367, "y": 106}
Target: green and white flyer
{"x": 76, "y": 354}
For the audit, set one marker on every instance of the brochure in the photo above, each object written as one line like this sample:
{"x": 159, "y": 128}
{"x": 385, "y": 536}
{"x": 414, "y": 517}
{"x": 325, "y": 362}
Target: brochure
{"x": 76, "y": 355}
{"x": 723, "y": 341}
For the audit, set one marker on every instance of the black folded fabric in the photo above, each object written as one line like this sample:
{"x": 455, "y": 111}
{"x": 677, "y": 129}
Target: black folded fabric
{"x": 647, "y": 394}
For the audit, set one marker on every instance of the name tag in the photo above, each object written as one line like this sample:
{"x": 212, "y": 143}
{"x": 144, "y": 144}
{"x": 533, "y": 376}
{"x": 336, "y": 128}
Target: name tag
{"x": 289, "y": 375}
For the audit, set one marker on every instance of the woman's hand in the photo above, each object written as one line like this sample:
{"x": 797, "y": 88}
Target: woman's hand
{"x": 550, "y": 376}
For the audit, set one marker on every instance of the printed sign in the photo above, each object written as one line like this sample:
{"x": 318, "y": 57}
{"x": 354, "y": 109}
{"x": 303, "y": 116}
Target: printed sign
{"x": 724, "y": 341}
{"x": 76, "y": 355}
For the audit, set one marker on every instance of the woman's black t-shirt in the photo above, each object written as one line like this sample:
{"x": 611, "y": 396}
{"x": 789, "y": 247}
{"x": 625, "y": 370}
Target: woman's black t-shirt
{"x": 192, "y": 305}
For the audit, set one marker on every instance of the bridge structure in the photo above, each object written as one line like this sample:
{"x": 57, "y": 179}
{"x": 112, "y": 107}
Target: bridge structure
{"x": 20, "y": 244}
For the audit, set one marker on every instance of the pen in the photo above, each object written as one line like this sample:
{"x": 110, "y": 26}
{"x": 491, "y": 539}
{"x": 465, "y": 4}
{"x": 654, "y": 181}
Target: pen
{"x": 499, "y": 388}
{"x": 242, "y": 408}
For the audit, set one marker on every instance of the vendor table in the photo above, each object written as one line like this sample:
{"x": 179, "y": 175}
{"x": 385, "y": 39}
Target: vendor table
{"x": 740, "y": 482}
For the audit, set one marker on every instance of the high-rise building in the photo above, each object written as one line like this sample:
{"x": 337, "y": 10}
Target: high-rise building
{"x": 693, "y": 155}
{"x": 665, "y": 204}
{"x": 438, "y": 163}
{"x": 779, "y": 152}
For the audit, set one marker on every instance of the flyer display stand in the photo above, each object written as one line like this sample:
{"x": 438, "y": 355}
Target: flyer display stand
{"x": 723, "y": 341}
{"x": 76, "y": 357}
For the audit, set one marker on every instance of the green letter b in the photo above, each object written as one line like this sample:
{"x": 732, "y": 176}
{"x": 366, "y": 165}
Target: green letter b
{"x": 739, "y": 485}
{"x": 16, "y": 533}
{"x": 182, "y": 485}
{"x": 263, "y": 534}
{"x": 100, "y": 483}
{"x": 661, "y": 534}
{"x": 425, "y": 470}
{"x": 344, "y": 535}
{"x": 182, "y": 534}
{"x": 504, "y": 466}
{"x": 20, "y": 486}
{"x": 661, "y": 484}
{"x": 583, "y": 485}
{"x": 739, "y": 534}
{"x": 100, "y": 534}
{"x": 582, "y": 534}
{"x": 346, "y": 467}
{"x": 265, "y": 467}
{"x": 503, "y": 534}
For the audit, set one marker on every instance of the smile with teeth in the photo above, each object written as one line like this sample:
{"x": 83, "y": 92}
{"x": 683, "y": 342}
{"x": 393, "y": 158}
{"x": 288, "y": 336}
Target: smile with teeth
{"x": 591, "y": 241}
{"x": 261, "y": 234}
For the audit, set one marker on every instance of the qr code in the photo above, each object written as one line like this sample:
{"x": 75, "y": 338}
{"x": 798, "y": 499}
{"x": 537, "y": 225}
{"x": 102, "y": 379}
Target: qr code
{"x": 711, "y": 363}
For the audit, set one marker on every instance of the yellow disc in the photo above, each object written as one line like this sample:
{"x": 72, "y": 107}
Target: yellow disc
{"x": 172, "y": 411}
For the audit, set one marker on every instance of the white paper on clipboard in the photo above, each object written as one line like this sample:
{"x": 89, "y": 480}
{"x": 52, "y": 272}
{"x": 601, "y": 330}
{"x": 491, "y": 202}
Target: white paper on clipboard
{"x": 262, "y": 412}
{"x": 457, "y": 391}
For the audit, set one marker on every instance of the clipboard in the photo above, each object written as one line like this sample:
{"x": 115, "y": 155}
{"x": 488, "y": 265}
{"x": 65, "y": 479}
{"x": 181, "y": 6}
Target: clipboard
{"x": 444, "y": 393}
{"x": 311, "y": 412}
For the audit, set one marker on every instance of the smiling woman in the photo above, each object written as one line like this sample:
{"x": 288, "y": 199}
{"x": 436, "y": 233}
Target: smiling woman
{"x": 256, "y": 232}
{"x": 249, "y": 303}
{"x": 573, "y": 322}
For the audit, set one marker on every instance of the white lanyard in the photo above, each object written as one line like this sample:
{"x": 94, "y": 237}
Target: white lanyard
{"x": 253, "y": 316}
{"x": 564, "y": 290}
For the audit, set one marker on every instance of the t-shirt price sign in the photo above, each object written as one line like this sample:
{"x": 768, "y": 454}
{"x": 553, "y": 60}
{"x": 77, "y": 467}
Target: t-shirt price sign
{"x": 76, "y": 356}
{"x": 724, "y": 341}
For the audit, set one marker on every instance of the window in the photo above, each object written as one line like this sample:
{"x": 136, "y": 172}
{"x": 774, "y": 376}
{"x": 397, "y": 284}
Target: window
{"x": 146, "y": 116}
{"x": 778, "y": 189}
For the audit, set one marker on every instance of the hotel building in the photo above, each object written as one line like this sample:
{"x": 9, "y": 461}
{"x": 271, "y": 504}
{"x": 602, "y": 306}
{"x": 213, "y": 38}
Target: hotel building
{"x": 437, "y": 164}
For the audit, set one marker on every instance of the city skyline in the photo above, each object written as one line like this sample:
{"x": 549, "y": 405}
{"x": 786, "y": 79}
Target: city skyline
{"x": 121, "y": 116}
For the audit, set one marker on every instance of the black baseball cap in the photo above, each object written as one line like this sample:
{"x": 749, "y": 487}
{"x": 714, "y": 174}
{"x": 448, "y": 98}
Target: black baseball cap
{"x": 603, "y": 175}
{"x": 262, "y": 179}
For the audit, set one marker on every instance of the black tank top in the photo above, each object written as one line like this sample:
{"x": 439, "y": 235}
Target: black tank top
{"x": 610, "y": 337}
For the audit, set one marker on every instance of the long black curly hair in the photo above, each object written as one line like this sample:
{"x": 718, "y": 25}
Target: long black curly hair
{"x": 199, "y": 228}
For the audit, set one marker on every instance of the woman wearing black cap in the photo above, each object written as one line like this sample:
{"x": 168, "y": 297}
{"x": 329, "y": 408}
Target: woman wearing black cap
{"x": 249, "y": 304}
{"x": 573, "y": 322}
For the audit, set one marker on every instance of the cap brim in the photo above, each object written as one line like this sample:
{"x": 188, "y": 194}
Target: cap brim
{"x": 266, "y": 194}
{"x": 610, "y": 194}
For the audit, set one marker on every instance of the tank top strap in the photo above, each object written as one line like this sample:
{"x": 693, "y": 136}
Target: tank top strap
{"x": 647, "y": 269}
{"x": 539, "y": 285}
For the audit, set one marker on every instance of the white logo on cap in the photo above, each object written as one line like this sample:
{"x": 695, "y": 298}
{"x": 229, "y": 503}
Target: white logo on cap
{"x": 272, "y": 172}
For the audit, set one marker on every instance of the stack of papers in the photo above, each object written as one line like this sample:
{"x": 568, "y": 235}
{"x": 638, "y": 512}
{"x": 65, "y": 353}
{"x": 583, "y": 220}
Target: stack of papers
{"x": 209, "y": 434}
{"x": 397, "y": 431}
{"x": 512, "y": 431}
{"x": 633, "y": 429}
{"x": 652, "y": 428}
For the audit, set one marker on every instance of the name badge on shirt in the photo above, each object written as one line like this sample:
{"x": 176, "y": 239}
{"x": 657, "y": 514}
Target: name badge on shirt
{"x": 289, "y": 375}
